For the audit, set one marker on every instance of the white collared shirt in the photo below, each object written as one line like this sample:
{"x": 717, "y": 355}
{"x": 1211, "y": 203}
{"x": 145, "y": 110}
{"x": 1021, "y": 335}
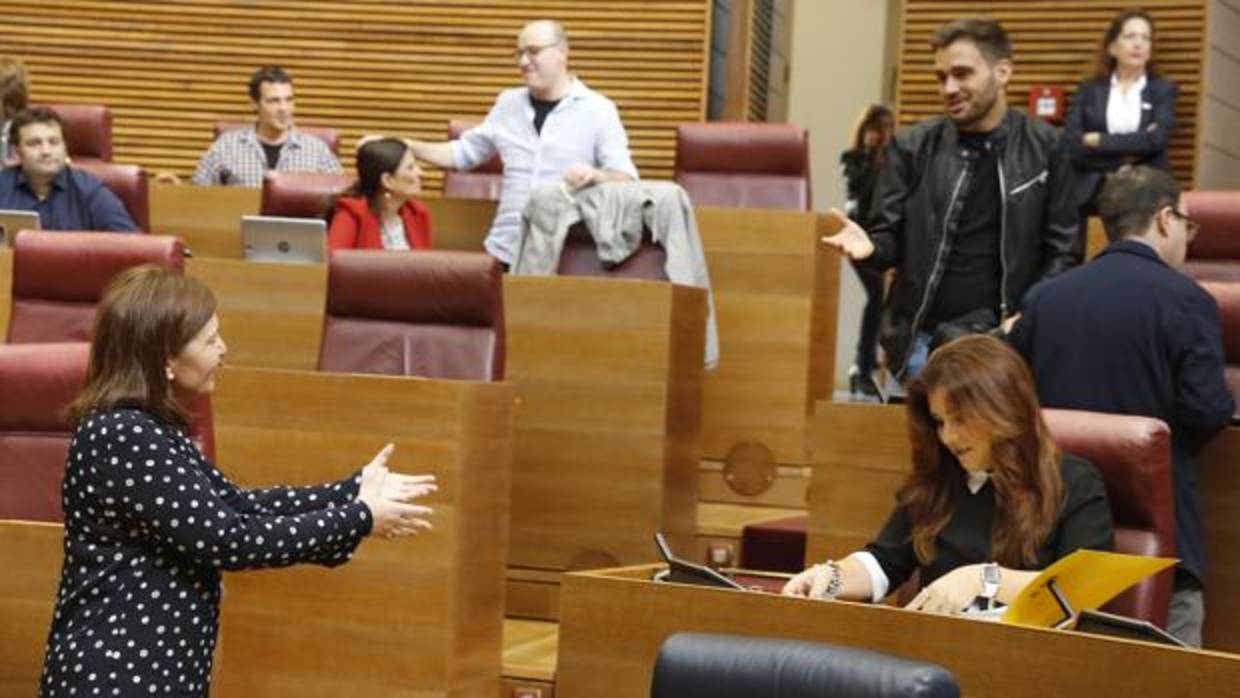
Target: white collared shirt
{"x": 584, "y": 127}
{"x": 1124, "y": 108}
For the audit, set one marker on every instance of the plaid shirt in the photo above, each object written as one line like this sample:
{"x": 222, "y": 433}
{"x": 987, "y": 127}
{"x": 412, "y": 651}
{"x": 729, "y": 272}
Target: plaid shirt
{"x": 237, "y": 158}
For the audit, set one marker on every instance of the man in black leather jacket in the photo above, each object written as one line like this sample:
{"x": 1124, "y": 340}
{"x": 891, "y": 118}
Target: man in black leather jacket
{"x": 972, "y": 208}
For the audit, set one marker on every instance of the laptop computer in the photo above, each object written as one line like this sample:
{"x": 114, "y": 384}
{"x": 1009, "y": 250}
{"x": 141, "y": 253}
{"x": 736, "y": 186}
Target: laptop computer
{"x": 684, "y": 572}
{"x": 283, "y": 240}
{"x": 12, "y": 221}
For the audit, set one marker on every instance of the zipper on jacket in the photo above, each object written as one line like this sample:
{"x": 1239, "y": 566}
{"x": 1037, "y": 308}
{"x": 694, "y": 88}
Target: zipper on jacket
{"x": 934, "y": 273}
{"x": 1036, "y": 180}
{"x": 1003, "y": 265}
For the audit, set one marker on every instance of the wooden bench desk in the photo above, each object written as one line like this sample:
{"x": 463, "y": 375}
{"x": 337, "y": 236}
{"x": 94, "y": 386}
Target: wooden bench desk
{"x": 862, "y": 456}
{"x": 613, "y": 621}
{"x": 417, "y": 616}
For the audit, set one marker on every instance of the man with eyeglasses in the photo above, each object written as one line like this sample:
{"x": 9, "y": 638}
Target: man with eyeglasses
{"x": 1128, "y": 334}
{"x": 554, "y": 128}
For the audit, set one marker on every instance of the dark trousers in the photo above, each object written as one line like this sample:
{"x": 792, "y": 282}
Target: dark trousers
{"x": 867, "y": 343}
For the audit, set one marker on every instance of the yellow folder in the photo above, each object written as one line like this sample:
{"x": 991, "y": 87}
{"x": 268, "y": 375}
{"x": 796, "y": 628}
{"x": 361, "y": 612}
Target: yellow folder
{"x": 1085, "y": 579}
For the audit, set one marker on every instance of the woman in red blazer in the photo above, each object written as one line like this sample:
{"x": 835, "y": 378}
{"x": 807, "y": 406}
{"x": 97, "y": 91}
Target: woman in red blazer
{"x": 380, "y": 212}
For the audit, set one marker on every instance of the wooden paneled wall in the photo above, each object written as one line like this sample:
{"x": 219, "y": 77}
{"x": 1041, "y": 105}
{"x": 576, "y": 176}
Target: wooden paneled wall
{"x": 1055, "y": 42}
{"x": 169, "y": 69}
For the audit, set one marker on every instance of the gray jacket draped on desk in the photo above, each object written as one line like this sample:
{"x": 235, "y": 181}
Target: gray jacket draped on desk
{"x": 616, "y": 214}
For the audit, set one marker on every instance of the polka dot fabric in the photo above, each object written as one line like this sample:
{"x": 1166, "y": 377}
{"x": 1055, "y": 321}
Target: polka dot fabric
{"x": 149, "y": 525}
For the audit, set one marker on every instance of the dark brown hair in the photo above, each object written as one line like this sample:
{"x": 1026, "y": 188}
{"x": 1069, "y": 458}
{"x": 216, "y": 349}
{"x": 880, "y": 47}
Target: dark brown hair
{"x": 269, "y": 73}
{"x": 14, "y": 88}
{"x": 146, "y": 318}
{"x": 375, "y": 159}
{"x": 876, "y": 117}
{"x": 1130, "y": 198}
{"x": 1105, "y": 64}
{"x": 987, "y": 34}
{"x": 33, "y": 115}
{"x": 983, "y": 379}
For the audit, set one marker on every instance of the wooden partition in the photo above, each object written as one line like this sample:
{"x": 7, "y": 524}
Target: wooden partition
{"x": 862, "y": 456}
{"x": 612, "y": 623}
{"x": 1054, "y": 43}
{"x": 31, "y": 554}
{"x": 169, "y": 70}
{"x": 776, "y": 297}
{"x": 419, "y": 616}
{"x": 6, "y": 290}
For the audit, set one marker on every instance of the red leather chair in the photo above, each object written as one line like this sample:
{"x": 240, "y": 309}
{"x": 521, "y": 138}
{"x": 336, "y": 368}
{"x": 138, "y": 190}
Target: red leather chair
{"x": 88, "y": 131}
{"x": 1227, "y": 295}
{"x": 129, "y": 183}
{"x": 1215, "y": 254}
{"x": 1133, "y": 455}
{"x": 744, "y": 165}
{"x": 580, "y": 258}
{"x": 435, "y": 314}
{"x": 34, "y": 436}
{"x": 58, "y": 278}
{"x": 326, "y": 134}
{"x": 300, "y": 194}
{"x": 483, "y": 182}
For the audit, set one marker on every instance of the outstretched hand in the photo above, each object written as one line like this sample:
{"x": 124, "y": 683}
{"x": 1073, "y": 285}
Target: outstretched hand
{"x": 389, "y": 496}
{"x": 852, "y": 239}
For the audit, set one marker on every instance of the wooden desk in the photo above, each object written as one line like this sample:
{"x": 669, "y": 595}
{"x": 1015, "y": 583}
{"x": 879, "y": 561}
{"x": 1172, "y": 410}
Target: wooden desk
{"x": 437, "y": 597}
{"x": 6, "y": 290}
{"x": 776, "y": 298}
{"x": 612, "y": 623}
{"x": 31, "y": 555}
{"x": 208, "y": 218}
{"x": 862, "y": 456}
{"x": 312, "y": 631}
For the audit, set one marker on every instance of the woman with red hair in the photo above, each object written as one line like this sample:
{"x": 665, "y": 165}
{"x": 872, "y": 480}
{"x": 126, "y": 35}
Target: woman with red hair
{"x": 991, "y": 500}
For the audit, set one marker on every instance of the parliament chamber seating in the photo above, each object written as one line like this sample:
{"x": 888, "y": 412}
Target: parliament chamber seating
{"x": 436, "y": 314}
{"x": 1133, "y": 455}
{"x": 87, "y": 131}
{"x": 580, "y": 258}
{"x": 58, "y": 278}
{"x": 300, "y": 194}
{"x": 483, "y": 182}
{"x": 1215, "y": 253}
{"x": 34, "y": 433}
{"x": 1227, "y": 295}
{"x": 129, "y": 183}
{"x": 744, "y": 165}
{"x": 327, "y": 134}
{"x": 708, "y": 665}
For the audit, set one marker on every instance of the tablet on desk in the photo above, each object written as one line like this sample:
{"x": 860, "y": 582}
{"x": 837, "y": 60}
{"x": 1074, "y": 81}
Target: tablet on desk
{"x": 1101, "y": 623}
{"x": 684, "y": 572}
{"x": 12, "y": 221}
{"x": 284, "y": 240}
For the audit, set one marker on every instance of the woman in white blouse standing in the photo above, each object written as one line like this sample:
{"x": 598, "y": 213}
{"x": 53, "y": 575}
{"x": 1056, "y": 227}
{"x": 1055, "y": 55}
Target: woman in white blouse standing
{"x": 1124, "y": 114}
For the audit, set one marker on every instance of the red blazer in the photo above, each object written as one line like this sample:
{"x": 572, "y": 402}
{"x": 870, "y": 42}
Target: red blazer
{"x": 355, "y": 226}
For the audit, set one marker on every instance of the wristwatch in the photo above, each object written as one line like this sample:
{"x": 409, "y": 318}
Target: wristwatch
{"x": 990, "y": 583}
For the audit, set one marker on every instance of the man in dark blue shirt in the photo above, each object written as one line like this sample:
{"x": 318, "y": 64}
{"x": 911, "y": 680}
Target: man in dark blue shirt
{"x": 43, "y": 182}
{"x": 1129, "y": 334}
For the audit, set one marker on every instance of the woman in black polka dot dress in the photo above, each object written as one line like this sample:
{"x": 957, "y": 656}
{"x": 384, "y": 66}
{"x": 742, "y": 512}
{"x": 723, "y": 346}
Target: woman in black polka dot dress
{"x": 150, "y": 523}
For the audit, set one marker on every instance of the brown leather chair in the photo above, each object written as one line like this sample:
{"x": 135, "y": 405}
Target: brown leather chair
{"x": 300, "y": 194}
{"x": 1227, "y": 295}
{"x": 1133, "y": 455}
{"x": 327, "y": 134}
{"x": 58, "y": 278}
{"x": 1215, "y": 254}
{"x": 436, "y": 314}
{"x": 744, "y": 165}
{"x": 129, "y": 183}
{"x": 34, "y": 435}
{"x": 88, "y": 131}
{"x": 483, "y": 182}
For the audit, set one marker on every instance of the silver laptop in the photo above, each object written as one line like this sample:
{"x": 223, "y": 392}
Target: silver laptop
{"x": 286, "y": 240}
{"x": 12, "y": 221}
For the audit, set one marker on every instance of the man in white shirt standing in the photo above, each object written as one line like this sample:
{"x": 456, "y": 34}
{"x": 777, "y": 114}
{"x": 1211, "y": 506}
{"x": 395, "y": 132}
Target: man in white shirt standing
{"x": 553, "y": 128}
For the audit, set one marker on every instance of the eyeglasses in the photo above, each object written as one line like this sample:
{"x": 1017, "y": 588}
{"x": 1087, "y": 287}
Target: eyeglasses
{"x": 1190, "y": 226}
{"x": 531, "y": 52}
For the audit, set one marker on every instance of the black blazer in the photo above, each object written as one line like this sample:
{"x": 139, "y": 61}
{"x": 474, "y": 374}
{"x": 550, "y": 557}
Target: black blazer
{"x": 1147, "y": 146}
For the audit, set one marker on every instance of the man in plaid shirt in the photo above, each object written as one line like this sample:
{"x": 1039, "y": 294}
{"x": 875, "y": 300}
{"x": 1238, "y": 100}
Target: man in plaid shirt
{"x": 240, "y": 156}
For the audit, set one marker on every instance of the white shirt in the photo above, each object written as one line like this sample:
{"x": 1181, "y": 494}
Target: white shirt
{"x": 1124, "y": 108}
{"x": 584, "y": 127}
